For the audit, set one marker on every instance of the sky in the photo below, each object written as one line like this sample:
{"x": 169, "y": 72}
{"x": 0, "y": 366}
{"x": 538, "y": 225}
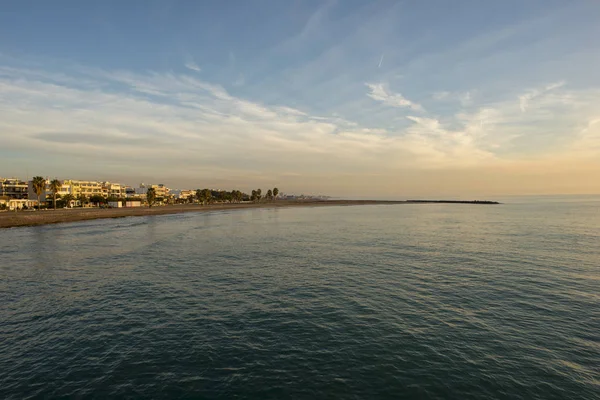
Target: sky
{"x": 379, "y": 99}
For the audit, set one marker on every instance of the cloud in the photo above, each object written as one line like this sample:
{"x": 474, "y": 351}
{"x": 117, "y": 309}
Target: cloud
{"x": 192, "y": 66}
{"x": 240, "y": 81}
{"x": 440, "y": 95}
{"x": 196, "y": 132}
{"x": 464, "y": 98}
{"x": 379, "y": 93}
{"x": 587, "y": 142}
{"x": 524, "y": 99}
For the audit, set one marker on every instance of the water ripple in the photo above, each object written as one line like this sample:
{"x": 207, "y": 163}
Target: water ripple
{"x": 349, "y": 302}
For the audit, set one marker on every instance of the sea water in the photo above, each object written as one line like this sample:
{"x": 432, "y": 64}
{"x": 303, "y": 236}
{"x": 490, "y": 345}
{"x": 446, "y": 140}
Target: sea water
{"x": 386, "y": 301}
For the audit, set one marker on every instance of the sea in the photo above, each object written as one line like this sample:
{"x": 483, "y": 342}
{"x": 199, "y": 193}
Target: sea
{"x": 423, "y": 301}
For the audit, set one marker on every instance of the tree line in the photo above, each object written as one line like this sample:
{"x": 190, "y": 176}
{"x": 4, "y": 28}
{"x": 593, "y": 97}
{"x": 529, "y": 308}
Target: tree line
{"x": 203, "y": 196}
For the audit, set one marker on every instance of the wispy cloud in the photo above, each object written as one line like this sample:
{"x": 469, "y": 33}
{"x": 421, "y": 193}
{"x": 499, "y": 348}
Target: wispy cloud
{"x": 440, "y": 95}
{"x": 207, "y": 134}
{"x": 192, "y": 66}
{"x": 379, "y": 92}
{"x": 240, "y": 80}
{"x": 524, "y": 99}
{"x": 464, "y": 98}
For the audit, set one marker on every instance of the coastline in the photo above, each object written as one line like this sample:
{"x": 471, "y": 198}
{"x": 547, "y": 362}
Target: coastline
{"x": 10, "y": 219}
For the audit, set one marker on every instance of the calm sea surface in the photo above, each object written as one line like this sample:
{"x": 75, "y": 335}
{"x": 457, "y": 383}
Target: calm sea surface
{"x": 405, "y": 301}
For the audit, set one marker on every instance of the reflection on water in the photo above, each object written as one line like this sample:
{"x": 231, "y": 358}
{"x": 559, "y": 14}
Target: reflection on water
{"x": 447, "y": 301}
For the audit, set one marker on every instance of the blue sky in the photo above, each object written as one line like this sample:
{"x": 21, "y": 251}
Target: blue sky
{"x": 348, "y": 98}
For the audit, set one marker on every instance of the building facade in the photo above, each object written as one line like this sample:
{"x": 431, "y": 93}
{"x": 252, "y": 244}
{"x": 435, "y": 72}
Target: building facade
{"x": 111, "y": 189}
{"x": 47, "y": 194}
{"x": 13, "y": 188}
{"x": 86, "y": 188}
{"x": 161, "y": 190}
{"x": 16, "y": 204}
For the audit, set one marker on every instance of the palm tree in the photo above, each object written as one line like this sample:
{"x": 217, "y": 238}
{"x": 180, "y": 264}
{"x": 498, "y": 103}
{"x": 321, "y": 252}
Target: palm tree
{"x": 269, "y": 194}
{"x": 55, "y": 186}
{"x": 39, "y": 185}
{"x": 275, "y": 192}
{"x": 151, "y": 196}
{"x": 258, "y": 194}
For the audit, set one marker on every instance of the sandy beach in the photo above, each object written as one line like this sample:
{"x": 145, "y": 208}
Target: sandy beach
{"x": 11, "y": 219}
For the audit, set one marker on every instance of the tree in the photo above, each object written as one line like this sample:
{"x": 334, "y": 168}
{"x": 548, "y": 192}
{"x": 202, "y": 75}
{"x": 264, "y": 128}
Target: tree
{"x": 206, "y": 196}
{"x": 67, "y": 199}
{"x": 275, "y": 193}
{"x": 39, "y": 185}
{"x": 55, "y": 186}
{"x": 82, "y": 198}
{"x": 236, "y": 196}
{"x": 258, "y": 195}
{"x": 151, "y": 197}
{"x": 97, "y": 199}
{"x": 270, "y": 194}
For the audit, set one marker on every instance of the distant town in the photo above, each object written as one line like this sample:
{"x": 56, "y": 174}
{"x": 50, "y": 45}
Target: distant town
{"x": 40, "y": 193}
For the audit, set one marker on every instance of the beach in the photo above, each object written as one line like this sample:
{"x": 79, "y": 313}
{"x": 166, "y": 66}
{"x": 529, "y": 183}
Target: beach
{"x": 11, "y": 219}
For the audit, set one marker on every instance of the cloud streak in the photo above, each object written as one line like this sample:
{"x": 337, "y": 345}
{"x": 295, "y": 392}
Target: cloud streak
{"x": 197, "y": 131}
{"x": 379, "y": 92}
{"x": 526, "y": 98}
{"x": 192, "y": 66}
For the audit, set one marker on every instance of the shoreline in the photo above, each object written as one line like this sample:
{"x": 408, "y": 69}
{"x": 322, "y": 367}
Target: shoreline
{"x": 11, "y": 219}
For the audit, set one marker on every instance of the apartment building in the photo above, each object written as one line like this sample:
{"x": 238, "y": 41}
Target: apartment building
{"x": 185, "y": 194}
{"x": 47, "y": 195}
{"x": 86, "y": 188}
{"x": 111, "y": 189}
{"x": 160, "y": 189}
{"x": 13, "y": 188}
{"x": 130, "y": 192}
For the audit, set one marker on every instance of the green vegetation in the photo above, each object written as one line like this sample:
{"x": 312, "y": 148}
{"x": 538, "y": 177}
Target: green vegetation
{"x": 39, "y": 184}
{"x": 151, "y": 197}
{"x": 66, "y": 200}
{"x": 97, "y": 199}
{"x": 55, "y": 186}
{"x": 82, "y": 199}
{"x": 203, "y": 196}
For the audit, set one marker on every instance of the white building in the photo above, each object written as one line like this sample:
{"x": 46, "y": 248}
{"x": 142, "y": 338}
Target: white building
{"x": 13, "y": 188}
{"x": 17, "y": 204}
